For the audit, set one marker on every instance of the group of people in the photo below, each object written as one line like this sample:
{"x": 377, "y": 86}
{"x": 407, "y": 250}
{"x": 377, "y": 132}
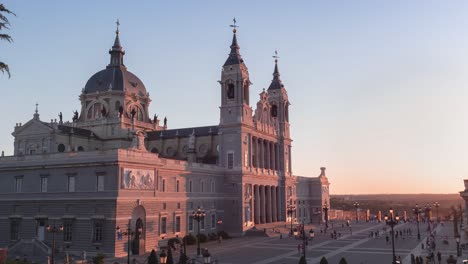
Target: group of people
{"x": 429, "y": 259}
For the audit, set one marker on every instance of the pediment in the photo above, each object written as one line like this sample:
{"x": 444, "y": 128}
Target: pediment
{"x": 32, "y": 127}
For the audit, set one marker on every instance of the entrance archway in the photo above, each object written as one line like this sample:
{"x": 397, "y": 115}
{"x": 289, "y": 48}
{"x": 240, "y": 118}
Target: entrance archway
{"x": 138, "y": 225}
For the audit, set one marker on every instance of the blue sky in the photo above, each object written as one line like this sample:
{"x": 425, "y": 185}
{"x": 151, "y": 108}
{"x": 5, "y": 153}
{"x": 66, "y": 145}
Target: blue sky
{"x": 378, "y": 88}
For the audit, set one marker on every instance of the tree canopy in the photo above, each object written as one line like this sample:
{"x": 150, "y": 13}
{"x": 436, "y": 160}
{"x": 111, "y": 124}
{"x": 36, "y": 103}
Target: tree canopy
{"x": 5, "y": 24}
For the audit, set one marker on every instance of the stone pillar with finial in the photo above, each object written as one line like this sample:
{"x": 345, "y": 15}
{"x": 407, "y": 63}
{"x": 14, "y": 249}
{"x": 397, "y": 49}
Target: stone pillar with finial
{"x": 191, "y": 151}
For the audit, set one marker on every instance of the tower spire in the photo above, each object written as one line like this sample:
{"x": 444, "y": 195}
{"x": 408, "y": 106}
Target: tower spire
{"x": 36, "y": 112}
{"x": 276, "y": 83}
{"x": 117, "y": 51}
{"x": 234, "y": 55}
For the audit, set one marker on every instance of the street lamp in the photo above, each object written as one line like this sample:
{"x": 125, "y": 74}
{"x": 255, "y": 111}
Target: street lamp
{"x": 356, "y": 205}
{"x": 428, "y": 209}
{"x": 417, "y": 211}
{"x": 129, "y": 233}
{"x": 198, "y": 216}
{"x": 325, "y": 210}
{"x": 457, "y": 238}
{"x": 291, "y": 208}
{"x": 392, "y": 221}
{"x": 54, "y": 229}
{"x": 163, "y": 257}
{"x": 437, "y": 205}
{"x": 206, "y": 257}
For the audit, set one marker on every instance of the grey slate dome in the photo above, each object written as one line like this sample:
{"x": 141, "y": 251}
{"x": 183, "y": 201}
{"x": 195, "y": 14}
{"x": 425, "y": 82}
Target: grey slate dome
{"x": 115, "y": 77}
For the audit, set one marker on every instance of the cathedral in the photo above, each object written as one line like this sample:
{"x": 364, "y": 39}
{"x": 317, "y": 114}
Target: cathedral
{"x": 115, "y": 168}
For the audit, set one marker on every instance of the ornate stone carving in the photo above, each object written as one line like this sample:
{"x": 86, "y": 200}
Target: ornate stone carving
{"x": 137, "y": 179}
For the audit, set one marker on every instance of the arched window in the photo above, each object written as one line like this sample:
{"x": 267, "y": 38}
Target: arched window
{"x": 117, "y": 105}
{"x": 61, "y": 148}
{"x": 230, "y": 90}
{"x": 94, "y": 111}
{"x": 274, "y": 111}
{"x": 154, "y": 150}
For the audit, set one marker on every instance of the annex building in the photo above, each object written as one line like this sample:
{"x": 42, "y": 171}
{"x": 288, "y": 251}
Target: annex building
{"x": 114, "y": 165}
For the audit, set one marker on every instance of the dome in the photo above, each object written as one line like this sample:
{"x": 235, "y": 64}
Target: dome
{"x": 115, "y": 79}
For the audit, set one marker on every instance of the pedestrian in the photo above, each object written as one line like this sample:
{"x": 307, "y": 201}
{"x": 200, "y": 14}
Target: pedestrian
{"x": 439, "y": 257}
{"x": 220, "y": 239}
{"x": 387, "y": 239}
{"x": 413, "y": 260}
{"x": 281, "y": 236}
{"x": 298, "y": 248}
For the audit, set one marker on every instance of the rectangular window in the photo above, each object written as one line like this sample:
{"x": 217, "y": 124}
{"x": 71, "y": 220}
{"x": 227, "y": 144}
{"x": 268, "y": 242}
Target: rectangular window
{"x": 212, "y": 186}
{"x": 202, "y": 188}
{"x": 177, "y": 224}
{"x": 190, "y": 186}
{"x": 163, "y": 225}
{"x": 164, "y": 206}
{"x": 18, "y": 184}
{"x": 67, "y": 231}
{"x": 213, "y": 220}
{"x": 43, "y": 183}
{"x": 177, "y": 186}
{"x": 163, "y": 187}
{"x": 71, "y": 183}
{"x": 97, "y": 231}
{"x": 100, "y": 183}
{"x": 190, "y": 224}
{"x": 230, "y": 160}
{"x": 178, "y": 205}
{"x": 14, "y": 229}
{"x": 202, "y": 223}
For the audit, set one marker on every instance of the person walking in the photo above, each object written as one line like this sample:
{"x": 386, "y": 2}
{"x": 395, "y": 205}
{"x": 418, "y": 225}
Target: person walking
{"x": 413, "y": 260}
{"x": 439, "y": 257}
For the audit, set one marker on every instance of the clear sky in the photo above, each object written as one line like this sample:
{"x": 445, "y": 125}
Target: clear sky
{"x": 378, "y": 88}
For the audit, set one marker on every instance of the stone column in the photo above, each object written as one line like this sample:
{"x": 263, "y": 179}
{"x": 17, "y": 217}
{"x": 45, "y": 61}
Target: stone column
{"x": 273, "y": 203}
{"x": 262, "y": 204}
{"x": 268, "y": 204}
{"x": 267, "y": 150}
{"x": 256, "y": 204}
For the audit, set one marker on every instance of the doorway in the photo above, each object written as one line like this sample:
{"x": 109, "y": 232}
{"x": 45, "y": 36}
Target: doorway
{"x": 41, "y": 228}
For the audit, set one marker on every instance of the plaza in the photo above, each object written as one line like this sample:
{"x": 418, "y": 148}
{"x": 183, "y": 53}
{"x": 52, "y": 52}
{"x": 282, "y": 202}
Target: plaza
{"x": 357, "y": 248}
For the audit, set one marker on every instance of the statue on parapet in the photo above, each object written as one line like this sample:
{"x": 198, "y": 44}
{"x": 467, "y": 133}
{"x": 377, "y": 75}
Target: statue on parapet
{"x": 75, "y": 116}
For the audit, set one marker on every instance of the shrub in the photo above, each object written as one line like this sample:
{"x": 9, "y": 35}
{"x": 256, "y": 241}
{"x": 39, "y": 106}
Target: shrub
{"x": 171, "y": 242}
{"x": 183, "y": 258}
{"x": 224, "y": 234}
{"x": 302, "y": 260}
{"x": 98, "y": 259}
{"x": 190, "y": 239}
{"x": 170, "y": 259}
{"x": 212, "y": 236}
{"x": 343, "y": 261}
{"x": 203, "y": 238}
{"x": 324, "y": 260}
{"x": 153, "y": 259}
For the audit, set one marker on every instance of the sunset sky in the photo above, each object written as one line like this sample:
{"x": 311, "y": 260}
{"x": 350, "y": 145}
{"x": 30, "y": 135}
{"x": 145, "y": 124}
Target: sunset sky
{"x": 379, "y": 89}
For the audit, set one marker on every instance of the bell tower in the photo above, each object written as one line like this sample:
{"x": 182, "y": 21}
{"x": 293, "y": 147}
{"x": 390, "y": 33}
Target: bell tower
{"x": 235, "y": 86}
{"x": 279, "y": 102}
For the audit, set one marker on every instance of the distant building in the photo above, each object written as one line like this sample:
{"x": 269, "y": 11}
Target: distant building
{"x": 114, "y": 165}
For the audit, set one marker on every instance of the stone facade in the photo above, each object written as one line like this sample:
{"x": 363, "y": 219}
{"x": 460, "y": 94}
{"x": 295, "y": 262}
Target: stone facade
{"x": 114, "y": 166}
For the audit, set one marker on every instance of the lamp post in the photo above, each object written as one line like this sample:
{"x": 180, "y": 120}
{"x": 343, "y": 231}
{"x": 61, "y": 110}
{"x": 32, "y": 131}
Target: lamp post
{"x": 461, "y": 217}
{"x": 304, "y": 239}
{"x": 129, "y": 233}
{"x": 356, "y": 205}
{"x": 198, "y": 216}
{"x": 417, "y": 211}
{"x": 291, "y": 208}
{"x": 54, "y": 229}
{"x": 437, "y": 205}
{"x": 457, "y": 238}
{"x": 427, "y": 210}
{"x": 325, "y": 210}
{"x": 392, "y": 221}
{"x": 163, "y": 257}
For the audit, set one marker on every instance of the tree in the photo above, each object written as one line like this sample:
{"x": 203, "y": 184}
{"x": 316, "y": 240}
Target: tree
{"x": 302, "y": 260}
{"x": 324, "y": 260}
{"x": 4, "y": 24}
{"x": 343, "y": 261}
{"x": 153, "y": 259}
{"x": 170, "y": 259}
{"x": 183, "y": 258}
